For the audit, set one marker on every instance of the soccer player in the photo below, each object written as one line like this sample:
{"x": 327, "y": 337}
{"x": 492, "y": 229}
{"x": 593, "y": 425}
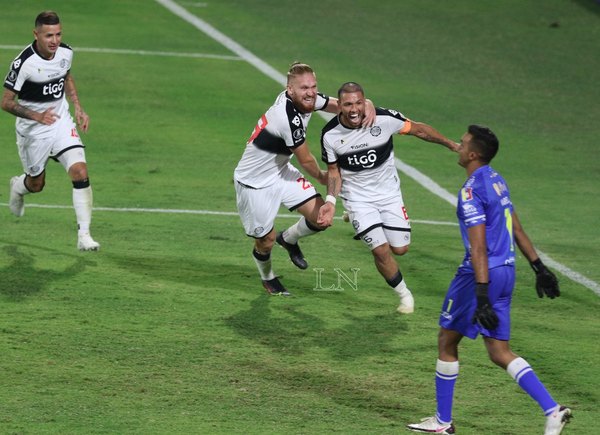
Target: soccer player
{"x": 479, "y": 297}
{"x": 34, "y": 91}
{"x": 264, "y": 177}
{"x": 361, "y": 170}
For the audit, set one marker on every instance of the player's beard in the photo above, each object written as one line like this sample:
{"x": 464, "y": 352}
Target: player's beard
{"x": 305, "y": 106}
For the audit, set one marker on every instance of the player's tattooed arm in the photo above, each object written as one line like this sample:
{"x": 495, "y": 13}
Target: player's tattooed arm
{"x": 11, "y": 105}
{"x": 334, "y": 182}
{"x": 82, "y": 118}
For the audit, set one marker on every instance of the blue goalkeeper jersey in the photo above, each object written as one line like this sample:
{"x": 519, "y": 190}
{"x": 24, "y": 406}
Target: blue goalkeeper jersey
{"x": 485, "y": 199}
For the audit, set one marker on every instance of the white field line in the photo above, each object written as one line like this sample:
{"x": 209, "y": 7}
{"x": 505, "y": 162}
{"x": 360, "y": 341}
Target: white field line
{"x": 138, "y": 52}
{"x": 198, "y": 212}
{"x": 413, "y": 173}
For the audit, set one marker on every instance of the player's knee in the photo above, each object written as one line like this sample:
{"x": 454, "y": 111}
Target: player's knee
{"x": 400, "y": 250}
{"x": 501, "y": 356}
{"x": 497, "y": 359}
{"x": 35, "y": 184}
{"x": 264, "y": 245}
{"x": 381, "y": 253}
{"x": 78, "y": 171}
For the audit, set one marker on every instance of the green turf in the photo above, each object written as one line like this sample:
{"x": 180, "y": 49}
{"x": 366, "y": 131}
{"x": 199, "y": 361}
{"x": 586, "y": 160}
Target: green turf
{"x": 167, "y": 329}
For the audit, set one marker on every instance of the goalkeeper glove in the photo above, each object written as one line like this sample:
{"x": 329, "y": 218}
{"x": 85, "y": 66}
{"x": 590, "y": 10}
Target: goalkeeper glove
{"x": 545, "y": 281}
{"x": 484, "y": 313}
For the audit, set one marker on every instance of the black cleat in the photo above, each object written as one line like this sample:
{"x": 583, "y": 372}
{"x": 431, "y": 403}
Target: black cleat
{"x": 275, "y": 288}
{"x": 294, "y": 252}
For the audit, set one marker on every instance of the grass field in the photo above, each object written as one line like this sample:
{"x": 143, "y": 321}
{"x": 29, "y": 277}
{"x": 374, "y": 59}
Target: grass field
{"x": 167, "y": 328}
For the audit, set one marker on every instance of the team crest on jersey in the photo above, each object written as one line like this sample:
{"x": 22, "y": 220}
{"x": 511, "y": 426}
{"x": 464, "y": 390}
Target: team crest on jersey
{"x": 258, "y": 230}
{"x": 64, "y": 63}
{"x": 355, "y": 224}
{"x": 467, "y": 194}
{"x": 375, "y": 131}
{"x": 298, "y": 133}
{"x": 11, "y": 77}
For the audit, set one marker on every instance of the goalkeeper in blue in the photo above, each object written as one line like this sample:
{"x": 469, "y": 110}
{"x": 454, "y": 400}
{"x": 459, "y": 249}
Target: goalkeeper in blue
{"x": 479, "y": 297}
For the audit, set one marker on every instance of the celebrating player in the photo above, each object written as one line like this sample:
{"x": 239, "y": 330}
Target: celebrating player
{"x": 479, "y": 297}
{"x": 265, "y": 178}
{"x": 361, "y": 170}
{"x": 35, "y": 90}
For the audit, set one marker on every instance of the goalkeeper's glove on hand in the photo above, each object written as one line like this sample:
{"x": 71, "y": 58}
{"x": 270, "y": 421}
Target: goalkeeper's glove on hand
{"x": 545, "y": 281}
{"x": 484, "y": 313}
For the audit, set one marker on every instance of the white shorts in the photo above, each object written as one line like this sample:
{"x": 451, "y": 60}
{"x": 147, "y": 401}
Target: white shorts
{"x": 379, "y": 222}
{"x": 258, "y": 207}
{"x": 65, "y": 146}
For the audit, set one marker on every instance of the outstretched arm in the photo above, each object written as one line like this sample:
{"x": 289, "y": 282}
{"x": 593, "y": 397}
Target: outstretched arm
{"x": 545, "y": 281}
{"x": 428, "y": 133}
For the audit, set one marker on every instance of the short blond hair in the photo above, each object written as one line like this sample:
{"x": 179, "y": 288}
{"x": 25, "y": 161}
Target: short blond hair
{"x": 298, "y": 69}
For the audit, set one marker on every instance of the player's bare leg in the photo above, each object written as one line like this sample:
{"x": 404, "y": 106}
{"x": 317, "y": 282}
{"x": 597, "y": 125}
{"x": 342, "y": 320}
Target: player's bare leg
{"x": 262, "y": 257}
{"x": 305, "y": 226}
{"x": 388, "y": 268}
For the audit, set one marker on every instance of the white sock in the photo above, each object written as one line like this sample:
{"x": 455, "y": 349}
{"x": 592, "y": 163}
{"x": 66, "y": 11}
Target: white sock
{"x": 297, "y": 231}
{"x": 82, "y": 202}
{"x": 19, "y": 186}
{"x": 401, "y": 289}
{"x": 263, "y": 263}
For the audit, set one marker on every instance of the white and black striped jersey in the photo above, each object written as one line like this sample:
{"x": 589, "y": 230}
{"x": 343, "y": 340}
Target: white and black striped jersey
{"x": 40, "y": 84}
{"x": 270, "y": 147}
{"x": 365, "y": 156}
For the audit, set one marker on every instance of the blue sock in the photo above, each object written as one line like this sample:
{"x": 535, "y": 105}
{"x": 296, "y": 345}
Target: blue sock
{"x": 521, "y": 371}
{"x": 445, "y": 378}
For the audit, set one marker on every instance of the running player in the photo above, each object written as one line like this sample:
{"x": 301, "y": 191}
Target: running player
{"x": 35, "y": 90}
{"x": 265, "y": 178}
{"x": 479, "y": 297}
{"x": 361, "y": 170}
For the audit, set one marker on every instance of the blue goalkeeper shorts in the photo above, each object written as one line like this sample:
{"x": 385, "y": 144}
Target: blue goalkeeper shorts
{"x": 460, "y": 303}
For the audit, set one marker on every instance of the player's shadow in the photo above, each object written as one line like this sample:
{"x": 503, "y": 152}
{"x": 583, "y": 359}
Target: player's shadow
{"x": 20, "y": 278}
{"x": 286, "y": 328}
{"x": 184, "y": 270}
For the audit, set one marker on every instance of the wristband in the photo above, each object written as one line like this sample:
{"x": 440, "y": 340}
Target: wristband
{"x": 330, "y": 198}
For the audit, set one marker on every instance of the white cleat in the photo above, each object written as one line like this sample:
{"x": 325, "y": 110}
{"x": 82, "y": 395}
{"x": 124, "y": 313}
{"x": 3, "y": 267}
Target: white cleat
{"x": 407, "y": 303}
{"x": 557, "y": 420}
{"x": 432, "y": 425}
{"x": 86, "y": 243}
{"x": 16, "y": 202}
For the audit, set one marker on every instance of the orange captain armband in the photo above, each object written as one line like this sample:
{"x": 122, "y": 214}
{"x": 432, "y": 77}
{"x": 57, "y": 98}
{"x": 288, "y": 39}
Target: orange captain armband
{"x": 406, "y": 128}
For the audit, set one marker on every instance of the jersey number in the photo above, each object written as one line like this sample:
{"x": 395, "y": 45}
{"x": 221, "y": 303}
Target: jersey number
{"x": 305, "y": 183}
{"x": 260, "y": 126}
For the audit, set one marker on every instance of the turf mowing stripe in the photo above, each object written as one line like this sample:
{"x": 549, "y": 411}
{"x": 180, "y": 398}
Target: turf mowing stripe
{"x": 139, "y": 52}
